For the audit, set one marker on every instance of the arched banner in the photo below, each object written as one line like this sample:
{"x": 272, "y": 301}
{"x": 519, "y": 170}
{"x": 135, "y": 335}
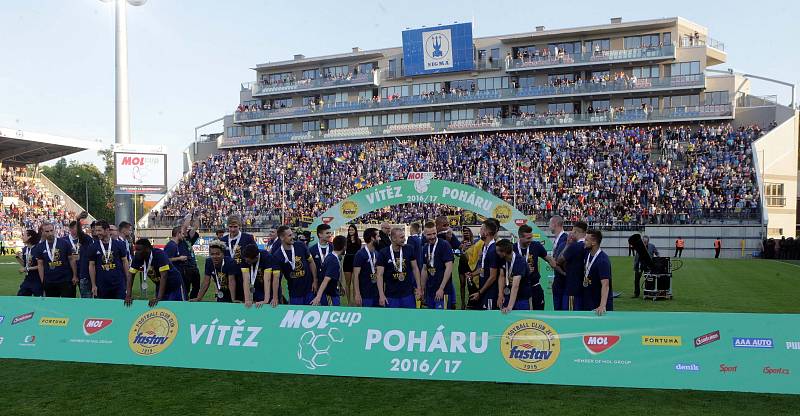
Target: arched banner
{"x": 424, "y": 189}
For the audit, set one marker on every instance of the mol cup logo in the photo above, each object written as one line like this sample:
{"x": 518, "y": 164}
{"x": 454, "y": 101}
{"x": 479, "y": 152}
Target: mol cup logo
{"x": 421, "y": 180}
{"x": 437, "y": 45}
{"x": 21, "y": 318}
{"x": 530, "y": 345}
{"x": 48, "y": 321}
{"x": 502, "y": 213}
{"x": 313, "y": 349}
{"x": 92, "y": 326}
{"x": 706, "y": 339}
{"x": 662, "y": 340}
{"x": 752, "y": 342}
{"x": 152, "y": 332}
{"x": 596, "y": 344}
{"x": 349, "y": 209}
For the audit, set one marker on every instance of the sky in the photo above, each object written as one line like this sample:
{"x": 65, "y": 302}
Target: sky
{"x": 187, "y": 58}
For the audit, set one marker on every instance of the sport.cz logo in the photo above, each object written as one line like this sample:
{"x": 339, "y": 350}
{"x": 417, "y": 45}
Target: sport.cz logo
{"x": 727, "y": 368}
{"x": 596, "y": 344}
{"x": 94, "y": 325}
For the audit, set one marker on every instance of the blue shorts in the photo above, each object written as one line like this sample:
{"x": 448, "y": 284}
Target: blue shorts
{"x": 571, "y": 303}
{"x": 409, "y": 302}
{"x": 30, "y": 288}
{"x": 520, "y": 304}
{"x": 329, "y": 300}
{"x": 111, "y": 291}
{"x": 302, "y": 300}
{"x": 432, "y": 303}
{"x": 174, "y": 293}
{"x": 369, "y": 302}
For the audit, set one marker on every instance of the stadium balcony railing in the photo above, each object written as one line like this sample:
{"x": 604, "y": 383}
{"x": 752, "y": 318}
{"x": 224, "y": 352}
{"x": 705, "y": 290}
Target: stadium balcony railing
{"x": 259, "y": 89}
{"x": 591, "y": 57}
{"x": 505, "y": 94}
{"x": 534, "y": 121}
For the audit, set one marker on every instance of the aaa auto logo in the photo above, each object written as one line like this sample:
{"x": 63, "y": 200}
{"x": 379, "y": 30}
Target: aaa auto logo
{"x": 92, "y": 326}
{"x": 596, "y": 344}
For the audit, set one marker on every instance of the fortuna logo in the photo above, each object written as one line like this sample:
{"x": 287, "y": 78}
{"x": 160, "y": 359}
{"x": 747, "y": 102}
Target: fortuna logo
{"x": 727, "y": 369}
{"x": 662, "y": 341}
{"x": 530, "y": 345}
{"x": 21, "y": 318}
{"x": 793, "y": 345}
{"x": 752, "y": 342}
{"x": 687, "y": 367}
{"x": 706, "y": 339}
{"x": 596, "y": 344}
{"x": 770, "y": 370}
{"x": 47, "y": 321}
{"x": 92, "y": 326}
{"x": 237, "y": 335}
{"x": 153, "y": 332}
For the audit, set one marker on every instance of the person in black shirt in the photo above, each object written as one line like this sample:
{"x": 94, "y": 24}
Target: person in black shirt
{"x": 353, "y": 245}
{"x": 191, "y": 273}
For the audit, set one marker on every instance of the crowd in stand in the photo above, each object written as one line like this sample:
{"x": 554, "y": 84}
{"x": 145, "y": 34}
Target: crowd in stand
{"x": 25, "y": 205}
{"x": 619, "y": 175}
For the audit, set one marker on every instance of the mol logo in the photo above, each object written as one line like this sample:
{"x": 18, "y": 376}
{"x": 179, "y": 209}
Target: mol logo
{"x": 596, "y": 344}
{"x": 327, "y": 220}
{"x": 520, "y": 222}
{"x": 92, "y": 326}
{"x": 421, "y": 180}
{"x": 153, "y": 332}
{"x": 530, "y": 345}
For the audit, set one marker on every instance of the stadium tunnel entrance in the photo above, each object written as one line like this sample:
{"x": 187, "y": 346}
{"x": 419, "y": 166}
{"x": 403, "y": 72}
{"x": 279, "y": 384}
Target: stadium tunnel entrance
{"x": 423, "y": 189}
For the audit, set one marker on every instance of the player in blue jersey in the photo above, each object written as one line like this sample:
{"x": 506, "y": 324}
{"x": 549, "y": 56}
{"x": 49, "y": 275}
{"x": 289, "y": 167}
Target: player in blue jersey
{"x": 292, "y": 262}
{"x": 487, "y": 270}
{"x": 259, "y": 287}
{"x": 365, "y": 270}
{"x": 397, "y": 273}
{"x": 155, "y": 264}
{"x": 597, "y": 272}
{"x": 108, "y": 261}
{"x": 27, "y": 258}
{"x": 220, "y": 270}
{"x": 438, "y": 270}
{"x": 328, "y": 291}
{"x": 58, "y": 268}
{"x": 514, "y": 278}
{"x": 531, "y": 251}
{"x": 572, "y": 261}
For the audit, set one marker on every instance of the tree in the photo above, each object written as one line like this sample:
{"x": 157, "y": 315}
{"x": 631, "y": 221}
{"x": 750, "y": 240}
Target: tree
{"x": 76, "y": 179}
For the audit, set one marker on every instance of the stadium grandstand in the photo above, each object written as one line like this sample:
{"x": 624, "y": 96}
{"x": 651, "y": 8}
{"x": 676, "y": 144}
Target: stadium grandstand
{"x": 624, "y": 124}
{"x": 27, "y": 197}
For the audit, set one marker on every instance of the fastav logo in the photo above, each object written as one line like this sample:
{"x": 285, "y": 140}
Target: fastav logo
{"x": 752, "y": 342}
{"x": 706, "y": 339}
{"x": 502, "y": 213}
{"x": 349, "y": 209}
{"x": 21, "y": 318}
{"x": 421, "y": 180}
{"x": 770, "y": 370}
{"x": 153, "y": 332}
{"x": 687, "y": 367}
{"x": 596, "y": 344}
{"x": 313, "y": 349}
{"x": 92, "y": 326}
{"x": 662, "y": 340}
{"x": 530, "y": 345}
{"x": 236, "y": 335}
{"x": 727, "y": 368}
{"x": 48, "y": 321}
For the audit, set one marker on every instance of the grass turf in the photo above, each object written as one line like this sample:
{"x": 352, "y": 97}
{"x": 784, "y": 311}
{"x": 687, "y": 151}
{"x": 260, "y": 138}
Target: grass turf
{"x": 701, "y": 285}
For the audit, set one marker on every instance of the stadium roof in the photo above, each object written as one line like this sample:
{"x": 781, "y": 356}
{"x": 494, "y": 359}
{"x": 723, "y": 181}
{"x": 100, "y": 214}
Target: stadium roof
{"x": 21, "y": 147}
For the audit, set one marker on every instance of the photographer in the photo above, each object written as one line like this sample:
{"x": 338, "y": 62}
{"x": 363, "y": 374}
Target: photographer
{"x": 637, "y": 266}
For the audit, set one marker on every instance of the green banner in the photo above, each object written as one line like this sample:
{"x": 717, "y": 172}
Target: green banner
{"x": 702, "y": 351}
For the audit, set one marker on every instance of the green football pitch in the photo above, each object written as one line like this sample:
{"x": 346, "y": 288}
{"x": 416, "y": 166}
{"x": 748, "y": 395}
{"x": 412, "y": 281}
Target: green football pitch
{"x": 45, "y": 387}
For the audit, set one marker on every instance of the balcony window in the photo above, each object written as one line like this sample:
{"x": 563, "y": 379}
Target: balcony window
{"x": 282, "y": 103}
{"x": 460, "y": 114}
{"x": 366, "y": 68}
{"x": 429, "y": 116}
{"x": 598, "y": 45}
{"x": 637, "y": 103}
{"x": 644, "y": 41}
{"x": 646, "y": 71}
{"x": 566, "y": 47}
{"x": 717, "y": 98}
{"x": 311, "y": 125}
{"x": 681, "y": 101}
{"x": 774, "y": 195}
{"x": 685, "y": 68}
{"x": 388, "y": 119}
{"x": 280, "y": 128}
{"x": 311, "y": 73}
{"x": 340, "y": 71}
{"x": 561, "y": 108}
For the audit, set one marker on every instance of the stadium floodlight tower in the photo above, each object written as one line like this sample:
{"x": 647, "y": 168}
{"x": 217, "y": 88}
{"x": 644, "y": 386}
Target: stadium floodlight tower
{"x": 124, "y": 203}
